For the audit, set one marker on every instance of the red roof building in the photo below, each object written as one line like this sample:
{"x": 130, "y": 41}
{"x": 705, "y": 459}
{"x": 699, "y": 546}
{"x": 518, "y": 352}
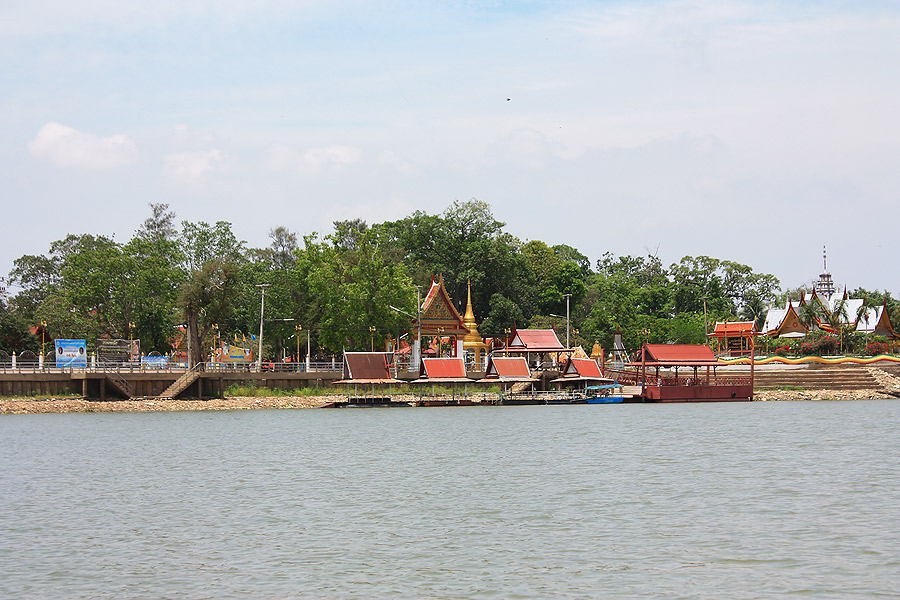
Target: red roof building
{"x": 580, "y": 369}
{"x": 534, "y": 340}
{"x": 443, "y": 370}
{"x": 675, "y": 355}
{"x": 734, "y": 337}
{"x": 366, "y": 368}
{"x": 508, "y": 369}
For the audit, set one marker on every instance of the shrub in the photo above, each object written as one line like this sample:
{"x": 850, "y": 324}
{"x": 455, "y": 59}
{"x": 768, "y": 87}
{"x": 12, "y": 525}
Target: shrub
{"x": 875, "y": 348}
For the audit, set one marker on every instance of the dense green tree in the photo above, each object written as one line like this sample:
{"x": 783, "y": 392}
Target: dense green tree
{"x": 206, "y": 299}
{"x": 14, "y": 333}
{"x": 352, "y": 287}
{"x": 465, "y": 244}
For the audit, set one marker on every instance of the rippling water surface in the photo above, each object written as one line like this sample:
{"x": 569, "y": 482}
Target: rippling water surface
{"x": 758, "y": 500}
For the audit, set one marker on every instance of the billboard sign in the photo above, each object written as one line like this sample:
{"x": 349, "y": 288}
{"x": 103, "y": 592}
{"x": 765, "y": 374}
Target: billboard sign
{"x": 71, "y": 353}
{"x": 231, "y": 353}
{"x": 118, "y": 351}
{"x": 154, "y": 362}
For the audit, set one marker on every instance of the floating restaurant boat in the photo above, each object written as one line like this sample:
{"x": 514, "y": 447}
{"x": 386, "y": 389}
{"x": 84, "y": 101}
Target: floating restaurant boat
{"x": 701, "y": 384}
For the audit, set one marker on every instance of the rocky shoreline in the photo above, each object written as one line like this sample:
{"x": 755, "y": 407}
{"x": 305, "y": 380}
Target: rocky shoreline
{"x": 78, "y": 405}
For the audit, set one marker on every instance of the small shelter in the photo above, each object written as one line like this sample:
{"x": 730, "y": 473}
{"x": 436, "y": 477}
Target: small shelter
{"x": 439, "y": 371}
{"x": 582, "y": 371}
{"x": 540, "y": 347}
{"x": 507, "y": 370}
{"x": 734, "y": 337}
{"x": 367, "y": 368}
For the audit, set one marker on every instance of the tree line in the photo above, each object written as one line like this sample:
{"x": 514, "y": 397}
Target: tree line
{"x": 336, "y": 287}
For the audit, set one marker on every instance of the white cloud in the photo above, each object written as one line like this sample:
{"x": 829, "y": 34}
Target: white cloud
{"x": 324, "y": 159}
{"x": 67, "y": 147}
{"x": 191, "y": 168}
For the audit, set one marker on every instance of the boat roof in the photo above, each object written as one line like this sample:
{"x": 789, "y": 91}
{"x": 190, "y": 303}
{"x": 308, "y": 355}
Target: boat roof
{"x": 675, "y": 355}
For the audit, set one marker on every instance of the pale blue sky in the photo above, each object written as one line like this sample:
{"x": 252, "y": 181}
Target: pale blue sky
{"x": 755, "y": 132}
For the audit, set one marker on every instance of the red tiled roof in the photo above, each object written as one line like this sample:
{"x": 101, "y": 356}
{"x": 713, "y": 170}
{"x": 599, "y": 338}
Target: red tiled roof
{"x": 508, "y": 368}
{"x": 535, "y": 339}
{"x": 585, "y": 367}
{"x": 444, "y": 368}
{"x": 678, "y": 354}
{"x": 366, "y": 367}
{"x": 734, "y": 329}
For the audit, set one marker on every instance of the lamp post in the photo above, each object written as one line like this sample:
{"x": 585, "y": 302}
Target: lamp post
{"x": 131, "y": 341}
{"x": 568, "y": 296}
{"x": 43, "y": 343}
{"x": 418, "y": 318}
{"x": 372, "y": 331}
{"x": 297, "y": 330}
{"x": 262, "y": 306}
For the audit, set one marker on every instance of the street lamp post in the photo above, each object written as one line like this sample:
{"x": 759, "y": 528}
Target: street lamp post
{"x": 567, "y": 318}
{"x": 43, "y": 343}
{"x": 298, "y": 329}
{"x": 418, "y": 318}
{"x": 262, "y": 306}
{"x": 372, "y": 331}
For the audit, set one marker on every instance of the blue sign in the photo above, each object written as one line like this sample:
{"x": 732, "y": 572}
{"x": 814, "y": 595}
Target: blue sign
{"x": 71, "y": 353}
{"x": 154, "y": 362}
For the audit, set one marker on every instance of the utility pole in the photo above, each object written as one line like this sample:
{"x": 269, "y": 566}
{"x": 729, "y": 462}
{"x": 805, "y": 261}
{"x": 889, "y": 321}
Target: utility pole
{"x": 567, "y": 318}
{"x": 262, "y": 306}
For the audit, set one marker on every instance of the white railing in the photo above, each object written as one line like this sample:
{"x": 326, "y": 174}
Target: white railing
{"x": 135, "y": 367}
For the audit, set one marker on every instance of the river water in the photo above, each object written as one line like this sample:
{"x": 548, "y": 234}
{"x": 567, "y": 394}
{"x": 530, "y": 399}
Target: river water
{"x": 754, "y": 500}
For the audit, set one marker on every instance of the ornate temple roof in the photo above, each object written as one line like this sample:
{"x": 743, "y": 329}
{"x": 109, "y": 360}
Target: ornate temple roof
{"x": 439, "y": 316}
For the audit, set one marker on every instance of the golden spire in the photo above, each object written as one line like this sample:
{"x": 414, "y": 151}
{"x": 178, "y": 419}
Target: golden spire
{"x": 469, "y": 319}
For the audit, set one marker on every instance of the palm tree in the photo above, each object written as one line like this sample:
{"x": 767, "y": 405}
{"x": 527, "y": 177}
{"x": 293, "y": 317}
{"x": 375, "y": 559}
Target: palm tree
{"x": 838, "y": 318}
{"x": 809, "y": 315}
{"x": 863, "y": 313}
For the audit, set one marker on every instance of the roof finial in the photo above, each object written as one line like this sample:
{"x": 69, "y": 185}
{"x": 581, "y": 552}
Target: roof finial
{"x": 824, "y": 260}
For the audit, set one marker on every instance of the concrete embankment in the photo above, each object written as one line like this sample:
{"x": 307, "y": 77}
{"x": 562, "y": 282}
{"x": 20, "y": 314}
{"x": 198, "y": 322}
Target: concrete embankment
{"x": 828, "y": 383}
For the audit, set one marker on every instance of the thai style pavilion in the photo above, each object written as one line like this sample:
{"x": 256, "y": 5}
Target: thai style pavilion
{"x": 440, "y": 319}
{"x": 784, "y": 322}
{"x": 850, "y": 312}
{"x": 541, "y": 347}
{"x": 735, "y": 338}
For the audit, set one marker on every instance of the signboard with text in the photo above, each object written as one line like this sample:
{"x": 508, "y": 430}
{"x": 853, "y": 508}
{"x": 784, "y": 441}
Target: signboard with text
{"x": 71, "y": 353}
{"x": 232, "y": 353}
{"x": 118, "y": 351}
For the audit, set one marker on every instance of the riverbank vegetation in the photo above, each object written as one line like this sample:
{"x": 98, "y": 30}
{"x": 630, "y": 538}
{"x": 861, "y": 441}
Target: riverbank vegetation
{"x": 333, "y": 288}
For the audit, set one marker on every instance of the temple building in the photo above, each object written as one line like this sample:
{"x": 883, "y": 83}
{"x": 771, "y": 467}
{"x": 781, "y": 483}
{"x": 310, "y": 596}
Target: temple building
{"x": 441, "y": 321}
{"x": 826, "y": 310}
{"x": 825, "y": 284}
{"x": 735, "y": 337}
